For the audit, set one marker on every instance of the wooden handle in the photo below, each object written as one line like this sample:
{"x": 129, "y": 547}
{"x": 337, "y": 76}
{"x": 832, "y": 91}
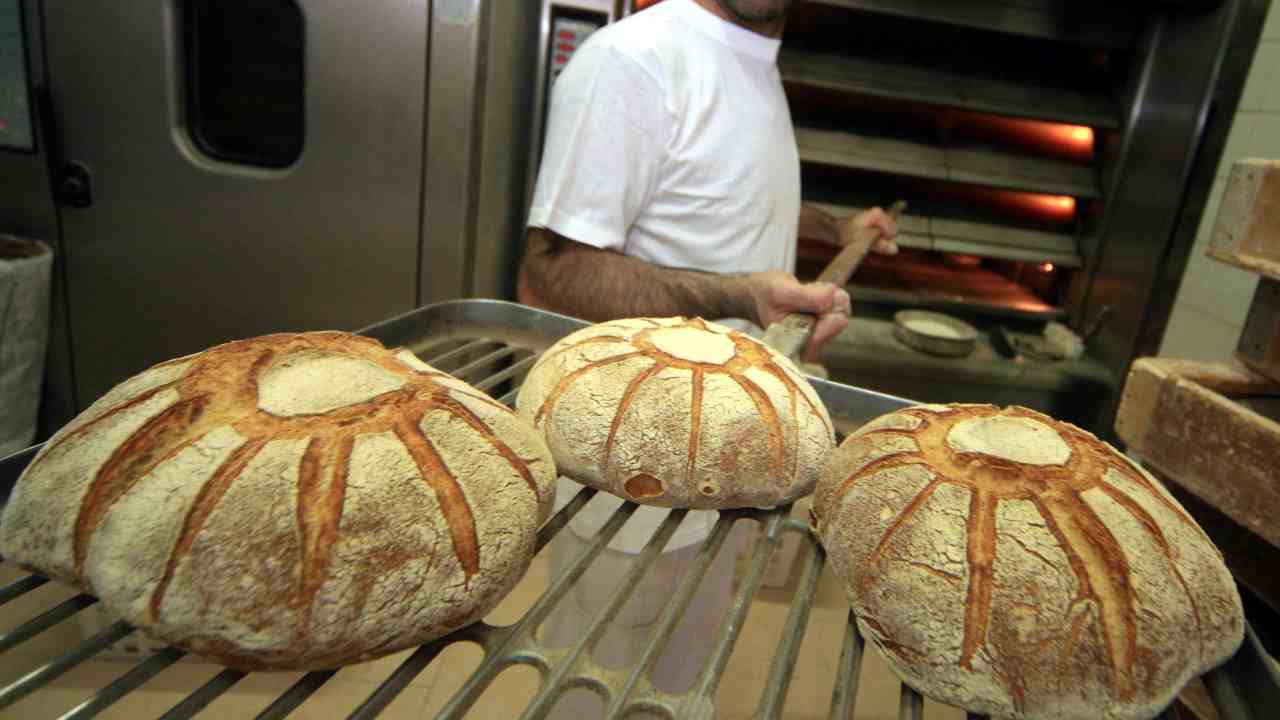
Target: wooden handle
{"x": 840, "y": 269}
{"x": 790, "y": 334}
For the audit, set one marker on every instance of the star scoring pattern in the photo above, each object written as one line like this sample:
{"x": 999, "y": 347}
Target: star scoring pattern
{"x": 1096, "y": 559}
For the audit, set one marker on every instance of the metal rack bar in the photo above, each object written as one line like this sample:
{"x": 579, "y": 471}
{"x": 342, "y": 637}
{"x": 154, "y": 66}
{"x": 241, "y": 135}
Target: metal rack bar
{"x": 462, "y": 372}
{"x": 1226, "y": 696}
{"x": 700, "y": 704}
{"x": 562, "y": 518}
{"x": 45, "y": 620}
{"x": 493, "y": 662}
{"x": 207, "y": 693}
{"x": 18, "y": 588}
{"x": 458, "y": 351}
{"x": 553, "y": 684}
{"x": 845, "y": 695}
{"x": 125, "y": 684}
{"x": 516, "y": 368}
{"x": 774, "y": 697}
{"x": 910, "y": 704}
{"x": 671, "y": 615}
{"x": 296, "y": 694}
{"x": 55, "y": 668}
{"x": 425, "y": 347}
{"x": 1246, "y": 686}
{"x": 397, "y": 682}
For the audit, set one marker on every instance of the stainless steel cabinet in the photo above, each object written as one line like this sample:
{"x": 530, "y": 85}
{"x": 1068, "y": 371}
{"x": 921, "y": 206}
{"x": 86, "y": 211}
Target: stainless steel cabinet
{"x": 222, "y": 170}
{"x": 179, "y": 249}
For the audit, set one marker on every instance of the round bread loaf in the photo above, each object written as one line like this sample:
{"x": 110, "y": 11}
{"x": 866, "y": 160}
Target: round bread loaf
{"x": 288, "y": 502}
{"x": 1017, "y": 566}
{"x": 678, "y": 413}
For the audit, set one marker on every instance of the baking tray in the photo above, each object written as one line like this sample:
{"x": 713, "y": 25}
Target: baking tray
{"x": 492, "y": 344}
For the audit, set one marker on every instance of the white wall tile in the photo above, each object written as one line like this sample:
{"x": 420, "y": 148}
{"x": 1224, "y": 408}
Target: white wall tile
{"x": 1214, "y": 298}
{"x": 1217, "y": 289}
{"x": 1194, "y": 335}
{"x": 1264, "y": 138}
{"x": 1271, "y": 30}
{"x": 1260, "y": 86}
{"x": 1210, "y": 216}
{"x": 1238, "y": 141}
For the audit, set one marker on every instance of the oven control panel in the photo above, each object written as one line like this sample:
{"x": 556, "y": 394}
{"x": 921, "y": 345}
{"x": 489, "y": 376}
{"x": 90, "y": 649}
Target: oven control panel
{"x": 567, "y": 35}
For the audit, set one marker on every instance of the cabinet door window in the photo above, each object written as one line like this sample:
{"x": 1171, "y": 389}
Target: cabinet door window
{"x": 246, "y": 80}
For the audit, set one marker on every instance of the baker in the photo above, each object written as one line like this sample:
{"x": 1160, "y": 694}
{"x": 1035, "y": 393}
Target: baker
{"x": 670, "y": 185}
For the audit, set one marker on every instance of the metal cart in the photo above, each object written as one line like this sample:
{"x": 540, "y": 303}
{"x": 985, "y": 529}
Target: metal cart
{"x": 492, "y": 344}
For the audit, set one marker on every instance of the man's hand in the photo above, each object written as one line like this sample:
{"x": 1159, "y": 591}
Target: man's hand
{"x": 882, "y": 221}
{"x": 776, "y": 294}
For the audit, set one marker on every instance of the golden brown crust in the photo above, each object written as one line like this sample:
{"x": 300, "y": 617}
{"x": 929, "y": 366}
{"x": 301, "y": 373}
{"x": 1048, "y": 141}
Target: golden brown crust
{"x": 457, "y": 513}
{"x": 167, "y": 472}
{"x": 685, "y": 412}
{"x": 1086, "y": 623}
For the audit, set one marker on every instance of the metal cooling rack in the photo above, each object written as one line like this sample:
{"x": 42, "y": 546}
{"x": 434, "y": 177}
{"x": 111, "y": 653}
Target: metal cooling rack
{"x": 492, "y": 344}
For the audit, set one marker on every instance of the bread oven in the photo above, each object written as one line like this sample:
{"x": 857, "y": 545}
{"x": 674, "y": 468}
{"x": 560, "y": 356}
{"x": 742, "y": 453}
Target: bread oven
{"x": 1055, "y": 157}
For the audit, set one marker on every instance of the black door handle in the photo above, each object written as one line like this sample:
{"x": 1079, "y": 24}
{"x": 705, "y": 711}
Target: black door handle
{"x": 70, "y": 183}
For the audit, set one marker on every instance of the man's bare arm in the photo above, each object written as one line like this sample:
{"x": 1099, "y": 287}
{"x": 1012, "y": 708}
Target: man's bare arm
{"x": 817, "y": 224}
{"x": 598, "y": 285}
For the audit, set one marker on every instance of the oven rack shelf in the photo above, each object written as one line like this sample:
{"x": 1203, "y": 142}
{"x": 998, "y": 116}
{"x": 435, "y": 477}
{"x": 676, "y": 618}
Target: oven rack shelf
{"x": 946, "y": 87}
{"x": 972, "y": 164}
{"x": 1114, "y": 28}
{"x": 970, "y": 237}
{"x": 491, "y": 344}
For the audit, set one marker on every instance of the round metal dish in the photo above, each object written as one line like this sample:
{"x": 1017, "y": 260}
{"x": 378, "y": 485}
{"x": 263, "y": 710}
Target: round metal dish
{"x": 935, "y": 333}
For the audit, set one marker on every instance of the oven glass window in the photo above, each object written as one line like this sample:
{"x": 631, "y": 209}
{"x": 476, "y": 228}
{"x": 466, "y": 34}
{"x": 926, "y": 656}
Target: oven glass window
{"x": 15, "y": 96}
{"x": 246, "y": 88}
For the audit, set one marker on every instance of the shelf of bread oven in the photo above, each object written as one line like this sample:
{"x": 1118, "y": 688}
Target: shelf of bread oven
{"x": 918, "y": 155}
{"x": 870, "y": 353}
{"x": 1107, "y": 25}
{"x": 492, "y": 344}
{"x": 983, "y": 238}
{"x": 949, "y": 82}
{"x": 923, "y": 280}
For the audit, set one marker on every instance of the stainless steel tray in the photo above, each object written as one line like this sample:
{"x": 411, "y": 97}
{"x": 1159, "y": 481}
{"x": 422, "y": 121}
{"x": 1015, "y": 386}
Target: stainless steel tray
{"x": 492, "y": 344}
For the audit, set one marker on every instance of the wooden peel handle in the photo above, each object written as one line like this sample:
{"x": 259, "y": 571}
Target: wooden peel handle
{"x": 839, "y": 270}
{"x": 790, "y": 334}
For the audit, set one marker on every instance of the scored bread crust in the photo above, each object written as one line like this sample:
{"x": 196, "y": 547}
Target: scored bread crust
{"x": 1017, "y": 566}
{"x": 678, "y": 412}
{"x": 293, "y": 501}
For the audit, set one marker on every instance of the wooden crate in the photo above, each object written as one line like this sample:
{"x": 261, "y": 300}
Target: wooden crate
{"x": 1246, "y": 234}
{"x": 1208, "y": 430}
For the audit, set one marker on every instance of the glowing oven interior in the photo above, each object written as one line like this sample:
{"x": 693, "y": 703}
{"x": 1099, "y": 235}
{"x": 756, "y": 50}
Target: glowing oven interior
{"x": 999, "y": 144}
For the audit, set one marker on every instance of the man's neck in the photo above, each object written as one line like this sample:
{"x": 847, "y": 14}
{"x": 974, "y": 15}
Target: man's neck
{"x": 771, "y": 29}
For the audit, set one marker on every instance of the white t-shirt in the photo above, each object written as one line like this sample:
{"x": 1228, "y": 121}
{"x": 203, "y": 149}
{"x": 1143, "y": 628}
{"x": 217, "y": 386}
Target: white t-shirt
{"x": 669, "y": 139}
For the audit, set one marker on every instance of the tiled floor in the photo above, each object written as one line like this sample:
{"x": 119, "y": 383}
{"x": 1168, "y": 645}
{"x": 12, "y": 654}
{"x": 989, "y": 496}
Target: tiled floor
{"x": 809, "y": 695}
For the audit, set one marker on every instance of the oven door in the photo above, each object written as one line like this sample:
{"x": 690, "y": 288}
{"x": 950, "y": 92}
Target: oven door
{"x": 243, "y": 169}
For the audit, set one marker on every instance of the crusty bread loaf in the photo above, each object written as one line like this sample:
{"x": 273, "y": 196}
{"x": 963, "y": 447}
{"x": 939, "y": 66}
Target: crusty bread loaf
{"x": 288, "y": 502}
{"x": 678, "y": 413}
{"x": 1018, "y": 566}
